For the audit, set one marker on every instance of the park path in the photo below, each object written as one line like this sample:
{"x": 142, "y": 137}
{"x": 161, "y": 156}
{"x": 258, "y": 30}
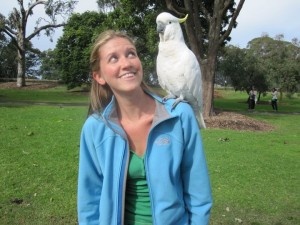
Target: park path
{"x": 29, "y": 103}
{"x": 72, "y": 104}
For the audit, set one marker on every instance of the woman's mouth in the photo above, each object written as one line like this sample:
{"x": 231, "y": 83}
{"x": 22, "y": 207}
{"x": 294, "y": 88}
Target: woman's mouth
{"x": 127, "y": 75}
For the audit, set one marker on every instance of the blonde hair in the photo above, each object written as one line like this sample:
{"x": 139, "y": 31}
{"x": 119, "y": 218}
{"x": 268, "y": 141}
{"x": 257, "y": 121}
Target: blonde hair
{"x": 100, "y": 95}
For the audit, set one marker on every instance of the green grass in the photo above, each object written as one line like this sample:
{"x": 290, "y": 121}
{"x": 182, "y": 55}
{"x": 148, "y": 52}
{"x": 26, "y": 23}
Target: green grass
{"x": 254, "y": 175}
{"x": 38, "y": 164}
{"x": 57, "y": 94}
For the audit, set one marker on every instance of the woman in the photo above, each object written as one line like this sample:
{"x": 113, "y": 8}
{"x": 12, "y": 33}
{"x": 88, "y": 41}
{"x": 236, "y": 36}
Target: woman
{"x": 140, "y": 162}
{"x": 252, "y": 98}
{"x": 274, "y": 99}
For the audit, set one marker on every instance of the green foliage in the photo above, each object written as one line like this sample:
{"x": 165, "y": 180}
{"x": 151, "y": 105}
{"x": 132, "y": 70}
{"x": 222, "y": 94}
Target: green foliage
{"x": 280, "y": 60}
{"x": 73, "y": 48}
{"x": 48, "y": 69}
{"x": 266, "y": 63}
{"x": 8, "y": 54}
{"x": 243, "y": 69}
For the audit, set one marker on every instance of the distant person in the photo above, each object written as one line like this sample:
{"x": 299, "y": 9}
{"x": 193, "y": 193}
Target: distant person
{"x": 274, "y": 99}
{"x": 252, "y": 98}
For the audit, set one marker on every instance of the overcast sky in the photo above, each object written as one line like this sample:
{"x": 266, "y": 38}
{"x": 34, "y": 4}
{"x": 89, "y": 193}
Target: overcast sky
{"x": 257, "y": 17}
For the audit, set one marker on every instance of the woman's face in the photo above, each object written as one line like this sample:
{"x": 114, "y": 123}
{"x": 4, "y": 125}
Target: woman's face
{"x": 120, "y": 66}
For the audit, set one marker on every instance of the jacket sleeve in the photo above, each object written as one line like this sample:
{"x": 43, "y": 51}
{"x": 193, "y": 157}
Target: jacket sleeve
{"x": 89, "y": 178}
{"x": 196, "y": 182}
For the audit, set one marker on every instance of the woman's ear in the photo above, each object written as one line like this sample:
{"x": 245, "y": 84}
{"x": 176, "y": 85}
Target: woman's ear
{"x": 97, "y": 77}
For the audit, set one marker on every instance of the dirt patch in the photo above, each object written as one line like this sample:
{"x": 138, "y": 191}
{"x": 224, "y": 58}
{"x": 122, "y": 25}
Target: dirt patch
{"x": 235, "y": 121}
{"x": 30, "y": 85}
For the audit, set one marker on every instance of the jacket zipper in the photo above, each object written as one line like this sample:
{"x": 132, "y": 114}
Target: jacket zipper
{"x": 125, "y": 171}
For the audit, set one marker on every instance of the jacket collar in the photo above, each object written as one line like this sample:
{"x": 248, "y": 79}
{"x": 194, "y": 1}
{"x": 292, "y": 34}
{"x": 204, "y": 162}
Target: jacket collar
{"x": 162, "y": 112}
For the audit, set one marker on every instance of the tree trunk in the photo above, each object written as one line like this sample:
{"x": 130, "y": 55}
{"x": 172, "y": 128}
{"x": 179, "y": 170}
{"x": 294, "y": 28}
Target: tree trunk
{"x": 21, "y": 69}
{"x": 21, "y": 54}
{"x": 208, "y": 77}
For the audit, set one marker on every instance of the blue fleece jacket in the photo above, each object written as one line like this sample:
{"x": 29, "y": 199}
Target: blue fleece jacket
{"x": 175, "y": 165}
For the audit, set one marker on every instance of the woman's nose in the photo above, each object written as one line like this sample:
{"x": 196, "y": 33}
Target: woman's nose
{"x": 126, "y": 62}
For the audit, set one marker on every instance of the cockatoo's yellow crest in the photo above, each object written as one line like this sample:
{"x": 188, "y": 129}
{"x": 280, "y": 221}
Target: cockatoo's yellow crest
{"x": 183, "y": 19}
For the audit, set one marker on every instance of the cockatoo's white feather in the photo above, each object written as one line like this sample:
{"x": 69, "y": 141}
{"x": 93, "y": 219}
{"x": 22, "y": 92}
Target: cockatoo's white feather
{"x": 177, "y": 67}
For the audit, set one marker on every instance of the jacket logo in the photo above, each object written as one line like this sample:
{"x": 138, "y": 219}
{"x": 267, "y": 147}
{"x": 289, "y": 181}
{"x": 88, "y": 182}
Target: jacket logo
{"x": 162, "y": 141}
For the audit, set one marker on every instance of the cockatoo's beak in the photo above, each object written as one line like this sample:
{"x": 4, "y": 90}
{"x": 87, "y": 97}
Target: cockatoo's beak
{"x": 160, "y": 28}
{"x": 183, "y": 19}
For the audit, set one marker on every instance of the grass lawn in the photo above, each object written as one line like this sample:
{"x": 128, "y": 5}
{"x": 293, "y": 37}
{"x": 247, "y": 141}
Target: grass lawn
{"x": 38, "y": 164}
{"x": 254, "y": 175}
{"x": 58, "y": 94}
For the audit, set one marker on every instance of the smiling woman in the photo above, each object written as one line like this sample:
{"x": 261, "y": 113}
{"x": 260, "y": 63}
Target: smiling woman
{"x": 119, "y": 62}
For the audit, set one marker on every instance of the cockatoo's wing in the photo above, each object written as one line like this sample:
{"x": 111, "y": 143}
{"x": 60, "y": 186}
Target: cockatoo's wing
{"x": 192, "y": 73}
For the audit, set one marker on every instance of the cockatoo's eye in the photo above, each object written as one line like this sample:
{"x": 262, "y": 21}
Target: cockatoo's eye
{"x": 170, "y": 22}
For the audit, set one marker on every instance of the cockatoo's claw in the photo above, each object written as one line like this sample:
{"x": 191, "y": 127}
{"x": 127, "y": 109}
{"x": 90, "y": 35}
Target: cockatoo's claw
{"x": 169, "y": 96}
{"x": 177, "y": 101}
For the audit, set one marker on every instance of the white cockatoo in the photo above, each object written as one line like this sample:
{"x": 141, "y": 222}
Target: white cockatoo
{"x": 177, "y": 67}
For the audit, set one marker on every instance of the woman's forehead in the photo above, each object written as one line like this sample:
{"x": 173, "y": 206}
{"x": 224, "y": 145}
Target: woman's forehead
{"x": 116, "y": 44}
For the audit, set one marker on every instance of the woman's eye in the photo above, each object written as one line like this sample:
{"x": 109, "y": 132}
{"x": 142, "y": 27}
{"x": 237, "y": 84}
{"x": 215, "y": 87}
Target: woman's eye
{"x": 131, "y": 54}
{"x": 113, "y": 59}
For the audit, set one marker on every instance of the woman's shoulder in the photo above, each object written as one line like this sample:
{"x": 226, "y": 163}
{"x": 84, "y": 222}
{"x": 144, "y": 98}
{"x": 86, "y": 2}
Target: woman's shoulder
{"x": 182, "y": 107}
{"x": 93, "y": 121}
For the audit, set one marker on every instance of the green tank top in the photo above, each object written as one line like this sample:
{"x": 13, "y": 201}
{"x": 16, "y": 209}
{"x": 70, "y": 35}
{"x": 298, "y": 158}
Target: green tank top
{"x": 137, "y": 200}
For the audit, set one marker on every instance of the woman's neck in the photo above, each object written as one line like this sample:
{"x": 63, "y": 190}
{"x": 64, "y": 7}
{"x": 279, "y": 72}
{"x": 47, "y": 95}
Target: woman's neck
{"x": 136, "y": 107}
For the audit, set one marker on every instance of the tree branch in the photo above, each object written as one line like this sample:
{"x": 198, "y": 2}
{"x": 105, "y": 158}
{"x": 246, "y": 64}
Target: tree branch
{"x": 13, "y": 38}
{"x": 175, "y": 8}
{"x": 232, "y": 21}
{"x": 199, "y": 32}
{"x": 37, "y": 31}
{"x": 204, "y": 10}
{"x": 8, "y": 31}
{"x": 30, "y": 8}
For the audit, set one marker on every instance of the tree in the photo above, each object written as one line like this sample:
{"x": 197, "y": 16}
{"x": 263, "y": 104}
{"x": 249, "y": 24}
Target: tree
{"x": 49, "y": 69}
{"x": 244, "y": 70}
{"x": 16, "y": 23}
{"x": 73, "y": 48}
{"x": 280, "y": 60}
{"x": 106, "y": 6}
{"x": 8, "y": 54}
{"x": 208, "y": 27}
